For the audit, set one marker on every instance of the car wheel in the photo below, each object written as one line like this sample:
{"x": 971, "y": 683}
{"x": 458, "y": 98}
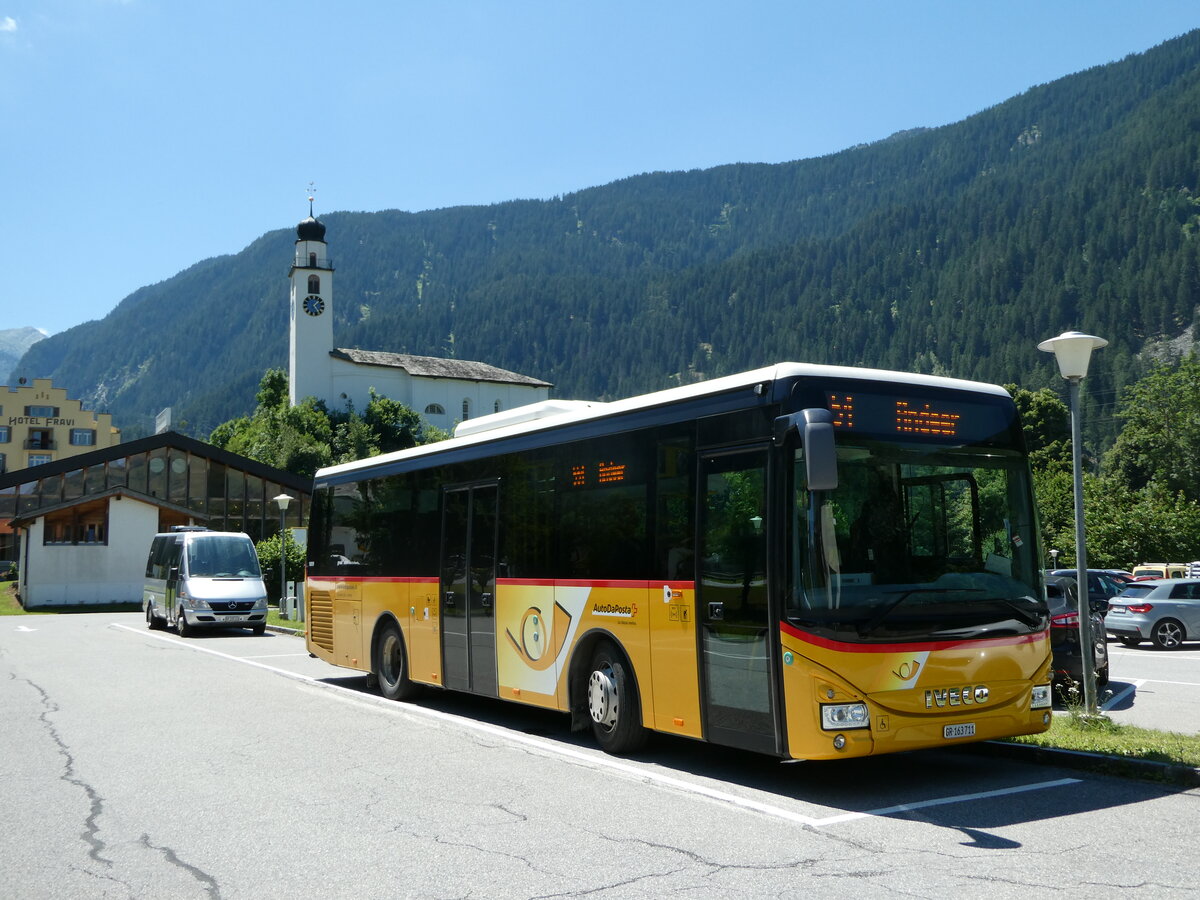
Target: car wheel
{"x": 1129, "y": 641}
{"x": 152, "y": 621}
{"x": 181, "y": 625}
{"x": 1167, "y": 635}
{"x": 391, "y": 665}
{"x": 1102, "y": 675}
{"x": 613, "y": 703}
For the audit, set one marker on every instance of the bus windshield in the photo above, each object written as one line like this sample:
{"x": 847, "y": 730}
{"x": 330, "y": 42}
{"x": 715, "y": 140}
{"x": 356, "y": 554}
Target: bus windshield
{"x": 918, "y": 542}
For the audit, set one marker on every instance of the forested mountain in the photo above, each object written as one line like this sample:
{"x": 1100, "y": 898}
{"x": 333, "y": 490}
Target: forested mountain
{"x": 950, "y": 250}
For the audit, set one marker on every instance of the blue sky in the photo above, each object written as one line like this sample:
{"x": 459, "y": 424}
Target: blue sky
{"x": 140, "y": 136}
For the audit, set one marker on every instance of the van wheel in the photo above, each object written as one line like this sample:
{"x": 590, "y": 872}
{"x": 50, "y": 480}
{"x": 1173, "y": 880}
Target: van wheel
{"x": 181, "y": 626}
{"x": 613, "y": 703}
{"x": 391, "y": 665}
{"x": 260, "y": 628}
{"x": 153, "y": 622}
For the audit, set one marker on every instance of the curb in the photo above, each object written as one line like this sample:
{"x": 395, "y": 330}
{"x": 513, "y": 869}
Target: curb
{"x": 1126, "y": 767}
{"x": 280, "y": 629}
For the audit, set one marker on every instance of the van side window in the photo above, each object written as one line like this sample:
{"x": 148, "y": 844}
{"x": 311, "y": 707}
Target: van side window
{"x": 156, "y": 548}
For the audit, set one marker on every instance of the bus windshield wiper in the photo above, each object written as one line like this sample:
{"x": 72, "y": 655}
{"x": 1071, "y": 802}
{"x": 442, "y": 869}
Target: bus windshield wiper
{"x": 1028, "y": 616}
{"x": 882, "y": 613}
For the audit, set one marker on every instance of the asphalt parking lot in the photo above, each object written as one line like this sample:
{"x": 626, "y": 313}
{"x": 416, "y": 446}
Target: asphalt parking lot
{"x": 1154, "y": 688}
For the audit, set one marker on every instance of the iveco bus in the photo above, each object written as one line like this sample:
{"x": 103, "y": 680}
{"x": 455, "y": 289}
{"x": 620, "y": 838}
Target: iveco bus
{"x": 808, "y": 561}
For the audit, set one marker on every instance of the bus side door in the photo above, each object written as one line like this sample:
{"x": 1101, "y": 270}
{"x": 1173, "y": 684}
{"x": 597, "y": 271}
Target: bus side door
{"x": 468, "y": 584}
{"x": 733, "y": 604}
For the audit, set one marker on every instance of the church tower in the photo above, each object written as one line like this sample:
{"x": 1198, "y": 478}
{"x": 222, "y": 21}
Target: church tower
{"x": 310, "y": 370}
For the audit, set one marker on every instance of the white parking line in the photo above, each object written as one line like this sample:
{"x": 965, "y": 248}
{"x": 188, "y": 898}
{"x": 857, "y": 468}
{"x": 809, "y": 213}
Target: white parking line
{"x": 1117, "y": 698}
{"x": 596, "y": 760}
{"x": 1156, "y": 655}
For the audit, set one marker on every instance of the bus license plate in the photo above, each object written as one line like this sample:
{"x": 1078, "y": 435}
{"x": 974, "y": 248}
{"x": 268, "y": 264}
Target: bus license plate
{"x": 966, "y": 729}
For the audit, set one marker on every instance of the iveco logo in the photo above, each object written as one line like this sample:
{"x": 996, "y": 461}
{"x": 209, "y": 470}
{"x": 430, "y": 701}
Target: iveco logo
{"x": 956, "y": 696}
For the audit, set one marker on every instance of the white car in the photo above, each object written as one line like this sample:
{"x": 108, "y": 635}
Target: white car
{"x": 1164, "y": 611}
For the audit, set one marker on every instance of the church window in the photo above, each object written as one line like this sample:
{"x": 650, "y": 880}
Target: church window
{"x": 314, "y": 284}
{"x": 312, "y": 259}
{"x": 435, "y": 409}
{"x": 466, "y": 410}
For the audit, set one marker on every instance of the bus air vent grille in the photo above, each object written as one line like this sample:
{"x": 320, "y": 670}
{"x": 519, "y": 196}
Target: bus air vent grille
{"x": 320, "y": 619}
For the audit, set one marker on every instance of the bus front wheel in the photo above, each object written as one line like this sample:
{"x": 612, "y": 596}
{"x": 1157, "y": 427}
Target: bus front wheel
{"x": 391, "y": 665}
{"x": 613, "y": 703}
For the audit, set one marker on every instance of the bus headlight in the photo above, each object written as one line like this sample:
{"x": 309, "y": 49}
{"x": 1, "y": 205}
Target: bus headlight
{"x": 836, "y": 716}
{"x": 1040, "y": 698}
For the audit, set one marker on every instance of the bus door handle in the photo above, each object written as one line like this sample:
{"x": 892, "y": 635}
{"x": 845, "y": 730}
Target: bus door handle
{"x": 716, "y": 612}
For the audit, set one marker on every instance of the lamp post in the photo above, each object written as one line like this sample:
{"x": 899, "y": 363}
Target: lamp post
{"x": 1053, "y": 559}
{"x": 1073, "y": 350}
{"x": 283, "y": 500}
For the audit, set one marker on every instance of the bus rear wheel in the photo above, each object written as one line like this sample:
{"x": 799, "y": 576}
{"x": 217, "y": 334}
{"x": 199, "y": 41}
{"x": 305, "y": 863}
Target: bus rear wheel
{"x": 391, "y": 665}
{"x": 613, "y": 703}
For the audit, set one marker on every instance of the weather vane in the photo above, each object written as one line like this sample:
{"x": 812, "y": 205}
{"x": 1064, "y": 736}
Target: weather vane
{"x": 311, "y": 190}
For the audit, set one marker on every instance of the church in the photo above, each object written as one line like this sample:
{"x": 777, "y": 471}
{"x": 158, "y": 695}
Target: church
{"x": 443, "y": 391}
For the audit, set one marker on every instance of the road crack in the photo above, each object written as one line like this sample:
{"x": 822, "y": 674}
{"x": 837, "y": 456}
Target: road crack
{"x": 91, "y": 829}
{"x": 210, "y": 884}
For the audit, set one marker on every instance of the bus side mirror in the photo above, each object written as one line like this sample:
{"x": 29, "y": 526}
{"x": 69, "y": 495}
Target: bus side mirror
{"x": 820, "y": 453}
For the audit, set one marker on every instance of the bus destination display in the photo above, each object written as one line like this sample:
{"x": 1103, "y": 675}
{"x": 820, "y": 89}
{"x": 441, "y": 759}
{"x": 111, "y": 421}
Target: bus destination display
{"x": 899, "y": 415}
{"x": 592, "y": 474}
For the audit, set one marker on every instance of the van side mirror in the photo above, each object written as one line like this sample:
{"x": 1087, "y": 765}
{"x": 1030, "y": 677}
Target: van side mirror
{"x": 820, "y": 452}
{"x": 173, "y": 573}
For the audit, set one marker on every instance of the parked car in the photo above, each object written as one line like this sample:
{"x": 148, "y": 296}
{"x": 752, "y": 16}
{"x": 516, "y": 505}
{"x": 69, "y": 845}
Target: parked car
{"x": 1165, "y": 612}
{"x": 1064, "y": 633}
{"x": 1103, "y": 584}
{"x": 1147, "y": 571}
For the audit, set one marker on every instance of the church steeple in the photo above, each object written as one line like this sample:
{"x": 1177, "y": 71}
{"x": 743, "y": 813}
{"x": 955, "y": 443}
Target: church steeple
{"x": 310, "y": 312}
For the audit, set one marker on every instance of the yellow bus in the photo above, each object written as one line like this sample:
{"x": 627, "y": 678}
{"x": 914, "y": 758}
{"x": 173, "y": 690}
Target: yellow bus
{"x": 807, "y": 561}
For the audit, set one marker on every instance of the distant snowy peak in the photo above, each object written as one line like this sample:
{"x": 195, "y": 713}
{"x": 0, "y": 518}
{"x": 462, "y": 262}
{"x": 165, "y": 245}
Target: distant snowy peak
{"x": 13, "y": 344}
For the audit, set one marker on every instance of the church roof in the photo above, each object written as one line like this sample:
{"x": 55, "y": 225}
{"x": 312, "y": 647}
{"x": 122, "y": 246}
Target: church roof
{"x": 432, "y": 367}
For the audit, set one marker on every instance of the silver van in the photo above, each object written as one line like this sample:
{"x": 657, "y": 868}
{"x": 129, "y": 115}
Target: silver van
{"x": 196, "y": 578}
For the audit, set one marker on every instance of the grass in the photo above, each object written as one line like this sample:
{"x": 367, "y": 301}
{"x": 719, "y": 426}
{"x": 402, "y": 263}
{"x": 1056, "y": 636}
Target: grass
{"x": 273, "y": 618}
{"x": 1099, "y": 734}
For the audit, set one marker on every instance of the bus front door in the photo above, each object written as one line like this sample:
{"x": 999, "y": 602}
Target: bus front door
{"x": 468, "y": 586}
{"x": 734, "y": 613}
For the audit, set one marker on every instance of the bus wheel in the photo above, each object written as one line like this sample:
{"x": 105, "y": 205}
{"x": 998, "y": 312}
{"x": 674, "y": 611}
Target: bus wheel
{"x": 391, "y": 667}
{"x": 613, "y": 703}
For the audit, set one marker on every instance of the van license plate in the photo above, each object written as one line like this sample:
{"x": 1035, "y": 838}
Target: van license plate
{"x": 966, "y": 729}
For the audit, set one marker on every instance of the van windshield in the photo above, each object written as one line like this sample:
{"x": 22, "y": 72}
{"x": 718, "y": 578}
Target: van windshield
{"x": 222, "y": 556}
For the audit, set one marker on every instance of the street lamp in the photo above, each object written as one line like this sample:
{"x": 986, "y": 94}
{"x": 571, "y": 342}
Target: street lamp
{"x": 283, "y": 500}
{"x": 1054, "y": 559}
{"x": 1073, "y": 350}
